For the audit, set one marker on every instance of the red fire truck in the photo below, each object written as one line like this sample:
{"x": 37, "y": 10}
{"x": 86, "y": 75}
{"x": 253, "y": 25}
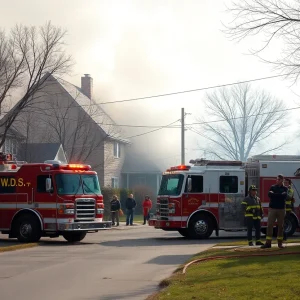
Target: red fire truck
{"x": 49, "y": 199}
{"x": 196, "y": 200}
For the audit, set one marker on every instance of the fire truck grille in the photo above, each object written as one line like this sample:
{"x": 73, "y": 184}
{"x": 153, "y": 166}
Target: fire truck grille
{"x": 164, "y": 209}
{"x": 85, "y": 209}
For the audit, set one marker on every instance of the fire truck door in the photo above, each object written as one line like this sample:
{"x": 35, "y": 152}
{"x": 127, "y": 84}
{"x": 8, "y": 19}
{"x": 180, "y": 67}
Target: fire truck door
{"x": 231, "y": 195}
{"x": 45, "y": 202}
{"x": 192, "y": 197}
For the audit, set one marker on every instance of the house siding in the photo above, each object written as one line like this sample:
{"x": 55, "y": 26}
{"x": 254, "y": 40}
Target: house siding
{"x": 112, "y": 165}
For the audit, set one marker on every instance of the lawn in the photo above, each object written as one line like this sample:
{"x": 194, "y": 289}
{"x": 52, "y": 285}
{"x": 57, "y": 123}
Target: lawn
{"x": 244, "y": 243}
{"x": 136, "y": 218}
{"x": 268, "y": 277}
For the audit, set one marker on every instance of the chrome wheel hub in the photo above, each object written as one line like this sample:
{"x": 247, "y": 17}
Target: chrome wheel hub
{"x": 201, "y": 227}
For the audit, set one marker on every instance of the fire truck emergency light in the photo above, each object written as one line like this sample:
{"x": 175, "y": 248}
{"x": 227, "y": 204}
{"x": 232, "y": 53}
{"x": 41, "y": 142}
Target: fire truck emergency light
{"x": 180, "y": 168}
{"x": 78, "y": 167}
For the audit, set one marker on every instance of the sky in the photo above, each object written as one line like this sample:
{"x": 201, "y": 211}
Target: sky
{"x": 141, "y": 48}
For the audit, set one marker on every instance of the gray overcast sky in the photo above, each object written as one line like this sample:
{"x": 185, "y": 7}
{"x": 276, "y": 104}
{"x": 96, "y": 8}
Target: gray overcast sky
{"x": 140, "y": 48}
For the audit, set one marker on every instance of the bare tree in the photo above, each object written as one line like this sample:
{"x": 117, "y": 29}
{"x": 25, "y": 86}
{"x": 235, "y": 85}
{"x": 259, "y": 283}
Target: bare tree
{"x": 273, "y": 19}
{"x": 244, "y": 119}
{"x": 28, "y": 56}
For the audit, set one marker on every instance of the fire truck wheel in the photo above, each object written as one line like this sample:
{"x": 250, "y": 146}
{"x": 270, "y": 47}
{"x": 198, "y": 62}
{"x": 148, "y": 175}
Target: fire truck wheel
{"x": 74, "y": 236}
{"x": 200, "y": 227}
{"x": 28, "y": 229}
{"x": 184, "y": 232}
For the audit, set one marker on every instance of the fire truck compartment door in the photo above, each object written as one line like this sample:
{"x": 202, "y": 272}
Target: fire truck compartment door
{"x": 231, "y": 195}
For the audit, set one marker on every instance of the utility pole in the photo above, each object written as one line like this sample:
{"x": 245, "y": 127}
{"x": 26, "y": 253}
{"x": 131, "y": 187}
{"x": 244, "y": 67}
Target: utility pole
{"x": 182, "y": 137}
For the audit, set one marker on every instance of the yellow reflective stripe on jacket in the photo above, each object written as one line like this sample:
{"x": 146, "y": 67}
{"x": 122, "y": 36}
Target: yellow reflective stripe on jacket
{"x": 253, "y": 206}
{"x": 245, "y": 203}
{"x": 248, "y": 215}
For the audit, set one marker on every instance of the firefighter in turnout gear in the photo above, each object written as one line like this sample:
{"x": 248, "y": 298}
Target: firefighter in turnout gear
{"x": 253, "y": 215}
{"x": 289, "y": 202}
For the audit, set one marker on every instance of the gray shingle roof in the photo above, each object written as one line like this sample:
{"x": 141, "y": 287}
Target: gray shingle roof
{"x": 38, "y": 153}
{"x": 95, "y": 111}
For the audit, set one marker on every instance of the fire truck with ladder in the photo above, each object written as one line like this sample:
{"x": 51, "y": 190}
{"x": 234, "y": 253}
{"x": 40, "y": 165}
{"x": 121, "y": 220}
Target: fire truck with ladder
{"x": 49, "y": 199}
{"x": 205, "y": 197}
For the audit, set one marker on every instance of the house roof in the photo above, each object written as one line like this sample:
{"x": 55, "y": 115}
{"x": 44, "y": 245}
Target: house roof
{"x": 139, "y": 163}
{"x": 37, "y": 153}
{"x": 96, "y": 112}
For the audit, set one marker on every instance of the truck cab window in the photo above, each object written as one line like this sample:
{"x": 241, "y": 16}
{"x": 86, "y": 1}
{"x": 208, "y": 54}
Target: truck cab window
{"x": 229, "y": 184}
{"x": 41, "y": 183}
{"x": 197, "y": 184}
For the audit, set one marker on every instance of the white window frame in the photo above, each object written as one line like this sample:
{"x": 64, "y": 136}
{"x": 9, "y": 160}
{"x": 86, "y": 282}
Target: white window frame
{"x": 115, "y": 182}
{"x": 117, "y": 152}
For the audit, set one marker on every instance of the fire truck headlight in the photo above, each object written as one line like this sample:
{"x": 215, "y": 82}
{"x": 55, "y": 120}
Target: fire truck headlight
{"x": 172, "y": 211}
{"x": 69, "y": 211}
{"x": 100, "y": 211}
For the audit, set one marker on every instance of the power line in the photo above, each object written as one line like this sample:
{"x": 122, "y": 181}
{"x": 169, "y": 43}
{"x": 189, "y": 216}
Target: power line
{"x": 175, "y": 93}
{"x": 236, "y": 118}
{"x": 194, "y": 90}
{"x": 166, "y": 126}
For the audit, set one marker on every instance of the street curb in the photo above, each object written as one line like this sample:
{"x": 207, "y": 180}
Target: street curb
{"x": 17, "y": 247}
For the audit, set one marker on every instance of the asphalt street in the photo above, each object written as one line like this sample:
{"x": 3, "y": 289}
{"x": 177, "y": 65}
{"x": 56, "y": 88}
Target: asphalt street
{"x": 125, "y": 264}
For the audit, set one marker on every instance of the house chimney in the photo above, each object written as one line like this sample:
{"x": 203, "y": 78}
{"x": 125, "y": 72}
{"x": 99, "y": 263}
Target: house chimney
{"x": 87, "y": 85}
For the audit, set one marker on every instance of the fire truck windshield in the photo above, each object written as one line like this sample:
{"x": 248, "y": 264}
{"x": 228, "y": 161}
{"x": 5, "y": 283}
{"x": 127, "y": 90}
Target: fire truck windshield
{"x": 70, "y": 184}
{"x": 171, "y": 184}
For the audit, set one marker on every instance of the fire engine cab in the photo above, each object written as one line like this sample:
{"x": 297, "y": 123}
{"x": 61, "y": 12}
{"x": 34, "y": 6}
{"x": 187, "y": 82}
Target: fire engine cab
{"x": 196, "y": 200}
{"x": 49, "y": 199}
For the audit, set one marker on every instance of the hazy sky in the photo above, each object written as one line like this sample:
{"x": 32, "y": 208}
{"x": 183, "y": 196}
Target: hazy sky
{"x": 147, "y": 47}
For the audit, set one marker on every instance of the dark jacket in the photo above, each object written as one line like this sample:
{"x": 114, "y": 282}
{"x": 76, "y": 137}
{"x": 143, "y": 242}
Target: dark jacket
{"x": 115, "y": 205}
{"x": 130, "y": 203}
{"x": 278, "y": 197}
{"x": 252, "y": 207}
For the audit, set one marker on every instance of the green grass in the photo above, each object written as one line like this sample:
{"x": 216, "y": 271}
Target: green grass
{"x": 136, "y": 218}
{"x": 268, "y": 277}
{"x": 244, "y": 243}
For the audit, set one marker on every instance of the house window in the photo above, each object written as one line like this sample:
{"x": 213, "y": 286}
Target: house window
{"x": 229, "y": 184}
{"x": 115, "y": 182}
{"x": 117, "y": 152}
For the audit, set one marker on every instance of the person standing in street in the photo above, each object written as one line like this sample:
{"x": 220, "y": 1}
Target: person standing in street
{"x": 289, "y": 202}
{"x": 277, "y": 194}
{"x": 130, "y": 205}
{"x": 147, "y": 205}
{"x": 115, "y": 207}
{"x": 253, "y": 214}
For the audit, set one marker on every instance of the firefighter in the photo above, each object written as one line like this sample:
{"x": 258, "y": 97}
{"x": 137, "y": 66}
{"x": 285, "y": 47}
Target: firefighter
{"x": 289, "y": 202}
{"x": 253, "y": 214}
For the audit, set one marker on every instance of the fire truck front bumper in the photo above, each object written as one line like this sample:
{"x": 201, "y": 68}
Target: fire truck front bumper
{"x": 85, "y": 226}
{"x": 163, "y": 224}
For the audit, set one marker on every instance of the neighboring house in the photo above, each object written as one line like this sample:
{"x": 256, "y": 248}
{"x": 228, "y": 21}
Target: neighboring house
{"x": 140, "y": 173}
{"x": 12, "y": 142}
{"x": 66, "y": 115}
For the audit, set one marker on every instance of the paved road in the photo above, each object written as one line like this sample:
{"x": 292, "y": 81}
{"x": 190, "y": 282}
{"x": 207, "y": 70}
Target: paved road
{"x": 117, "y": 264}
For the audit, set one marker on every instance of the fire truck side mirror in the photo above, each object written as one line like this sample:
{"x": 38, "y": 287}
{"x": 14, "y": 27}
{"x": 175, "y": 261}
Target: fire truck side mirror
{"x": 48, "y": 185}
{"x": 189, "y": 184}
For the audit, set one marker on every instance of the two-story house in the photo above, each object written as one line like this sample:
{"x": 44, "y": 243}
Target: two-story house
{"x": 67, "y": 116}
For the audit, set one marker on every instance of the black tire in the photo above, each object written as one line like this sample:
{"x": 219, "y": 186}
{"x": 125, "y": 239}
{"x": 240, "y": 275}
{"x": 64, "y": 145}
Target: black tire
{"x": 200, "y": 227}
{"x": 184, "y": 232}
{"x": 28, "y": 229}
{"x": 73, "y": 237}
{"x": 290, "y": 225}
